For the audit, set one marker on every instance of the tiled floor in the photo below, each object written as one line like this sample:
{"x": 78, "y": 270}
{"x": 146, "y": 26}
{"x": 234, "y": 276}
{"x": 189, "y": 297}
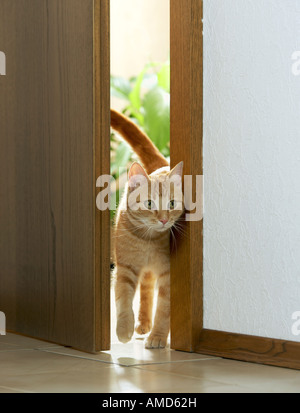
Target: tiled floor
{"x": 28, "y": 365}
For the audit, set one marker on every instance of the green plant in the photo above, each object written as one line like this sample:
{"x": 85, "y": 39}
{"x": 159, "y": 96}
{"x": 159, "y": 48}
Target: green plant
{"x": 147, "y": 102}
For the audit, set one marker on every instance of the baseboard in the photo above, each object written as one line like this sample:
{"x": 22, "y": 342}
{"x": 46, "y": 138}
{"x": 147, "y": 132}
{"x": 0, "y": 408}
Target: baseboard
{"x": 253, "y": 349}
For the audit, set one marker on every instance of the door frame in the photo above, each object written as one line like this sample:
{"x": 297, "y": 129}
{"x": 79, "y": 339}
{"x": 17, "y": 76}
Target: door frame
{"x": 187, "y": 332}
{"x": 186, "y": 145}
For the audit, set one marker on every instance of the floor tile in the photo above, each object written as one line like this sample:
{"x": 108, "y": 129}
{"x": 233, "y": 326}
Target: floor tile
{"x": 254, "y": 377}
{"x": 133, "y": 354}
{"x": 29, "y": 365}
{"x": 9, "y": 390}
{"x": 17, "y": 342}
{"x": 40, "y": 371}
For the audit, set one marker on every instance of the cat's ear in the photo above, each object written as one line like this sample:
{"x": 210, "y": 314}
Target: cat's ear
{"x": 176, "y": 174}
{"x": 137, "y": 176}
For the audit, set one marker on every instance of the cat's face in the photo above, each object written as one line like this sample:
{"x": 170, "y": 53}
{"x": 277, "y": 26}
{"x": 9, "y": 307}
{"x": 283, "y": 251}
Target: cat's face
{"x": 155, "y": 201}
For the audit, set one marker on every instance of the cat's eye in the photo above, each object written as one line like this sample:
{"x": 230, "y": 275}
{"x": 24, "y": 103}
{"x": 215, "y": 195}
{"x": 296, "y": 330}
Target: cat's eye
{"x": 172, "y": 204}
{"x": 150, "y": 204}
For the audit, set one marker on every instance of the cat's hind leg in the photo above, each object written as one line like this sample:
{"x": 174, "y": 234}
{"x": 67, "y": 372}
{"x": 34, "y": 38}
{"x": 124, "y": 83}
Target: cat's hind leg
{"x": 147, "y": 284}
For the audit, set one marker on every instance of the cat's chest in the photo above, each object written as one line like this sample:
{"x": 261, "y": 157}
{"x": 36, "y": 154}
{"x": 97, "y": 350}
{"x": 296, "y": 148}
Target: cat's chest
{"x": 152, "y": 253}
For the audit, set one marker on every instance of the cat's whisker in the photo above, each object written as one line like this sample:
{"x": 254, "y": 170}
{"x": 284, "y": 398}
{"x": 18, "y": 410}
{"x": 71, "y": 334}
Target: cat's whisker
{"x": 174, "y": 238}
{"x": 179, "y": 228}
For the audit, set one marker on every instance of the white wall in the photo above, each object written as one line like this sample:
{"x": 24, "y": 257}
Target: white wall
{"x": 252, "y": 166}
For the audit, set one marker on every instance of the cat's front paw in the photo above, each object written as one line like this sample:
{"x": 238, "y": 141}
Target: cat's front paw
{"x": 156, "y": 341}
{"x": 143, "y": 327}
{"x": 125, "y": 327}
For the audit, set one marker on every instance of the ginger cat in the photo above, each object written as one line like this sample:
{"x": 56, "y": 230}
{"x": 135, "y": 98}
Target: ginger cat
{"x": 150, "y": 207}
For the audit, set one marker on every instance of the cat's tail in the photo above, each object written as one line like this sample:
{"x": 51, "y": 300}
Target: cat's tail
{"x": 141, "y": 144}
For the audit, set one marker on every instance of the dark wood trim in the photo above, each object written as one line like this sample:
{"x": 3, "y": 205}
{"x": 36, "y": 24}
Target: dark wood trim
{"x": 102, "y": 167}
{"x": 254, "y": 349}
{"x": 186, "y": 145}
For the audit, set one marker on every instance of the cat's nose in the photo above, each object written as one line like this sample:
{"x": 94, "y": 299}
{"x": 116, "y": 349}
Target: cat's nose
{"x": 163, "y": 221}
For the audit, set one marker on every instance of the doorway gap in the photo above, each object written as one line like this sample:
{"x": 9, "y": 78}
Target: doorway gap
{"x": 140, "y": 79}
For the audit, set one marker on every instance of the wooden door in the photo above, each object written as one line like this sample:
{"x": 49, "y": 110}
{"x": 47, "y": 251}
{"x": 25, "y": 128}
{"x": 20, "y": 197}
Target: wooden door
{"x": 54, "y": 132}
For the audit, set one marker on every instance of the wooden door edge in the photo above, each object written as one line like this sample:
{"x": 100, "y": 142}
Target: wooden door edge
{"x": 102, "y": 167}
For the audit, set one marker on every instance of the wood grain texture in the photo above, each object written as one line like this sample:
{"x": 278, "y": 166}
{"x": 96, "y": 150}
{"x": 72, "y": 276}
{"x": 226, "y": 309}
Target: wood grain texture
{"x": 186, "y": 145}
{"x": 250, "y": 348}
{"x": 50, "y": 143}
